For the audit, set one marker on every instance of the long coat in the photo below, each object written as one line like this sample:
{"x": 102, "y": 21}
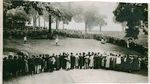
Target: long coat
{"x": 91, "y": 64}
{"x": 26, "y": 66}
{"x": 68, "y": 62}
{"x": 107, "y": 62}
{"x": 76, "y": 61}
{"x": 57, "y": 63}
{"x": 81, "y": 61}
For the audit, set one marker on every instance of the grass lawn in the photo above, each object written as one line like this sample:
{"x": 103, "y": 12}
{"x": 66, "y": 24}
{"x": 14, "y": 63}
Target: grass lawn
{"x": 40, "y": 46}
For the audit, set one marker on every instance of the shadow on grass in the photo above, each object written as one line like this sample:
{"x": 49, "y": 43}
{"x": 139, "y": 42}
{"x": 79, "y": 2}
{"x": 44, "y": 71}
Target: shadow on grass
{"x": 6, "y": 50}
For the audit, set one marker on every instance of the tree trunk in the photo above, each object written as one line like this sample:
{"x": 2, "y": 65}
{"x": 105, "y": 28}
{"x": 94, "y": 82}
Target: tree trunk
{"x": 50, "y": 24}
{"x": 39, "y": 21}
{"x": 100, "y": 27}
{"x": 34, "y": 22}
{"x": 85, "y": 28}
{"x": 122, "y": 28}
{"x": 63, "y": 25}
{"x": 44, "y": 23}
{"x": 57, "y": 23}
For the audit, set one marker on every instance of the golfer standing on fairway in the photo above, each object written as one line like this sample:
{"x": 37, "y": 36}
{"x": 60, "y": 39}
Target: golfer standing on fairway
{"x": 57, "y": 40}
{"x": 25, "y": 39}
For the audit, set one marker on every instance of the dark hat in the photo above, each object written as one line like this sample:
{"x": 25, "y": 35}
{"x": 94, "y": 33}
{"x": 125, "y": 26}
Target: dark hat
{"x": 9, "y": 56}
{"x": 83, "y": 53}
{"x": 4, "y": 58}
{"x": 15, "y": 57}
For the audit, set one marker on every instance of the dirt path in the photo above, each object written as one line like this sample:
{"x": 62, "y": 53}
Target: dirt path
{"x": 80, "y": 76}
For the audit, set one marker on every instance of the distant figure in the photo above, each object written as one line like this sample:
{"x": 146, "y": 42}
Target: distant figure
{"x": 25, "y": 39}
{"x": 103, "y": 41}
{"x": 57, "y": 40}
{"x": 10, "y": 37}
{"x": 128, "y": 43}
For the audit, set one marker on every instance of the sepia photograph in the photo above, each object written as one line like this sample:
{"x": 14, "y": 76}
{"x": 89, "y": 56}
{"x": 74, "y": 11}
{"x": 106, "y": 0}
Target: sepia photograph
{"x": 48, "y": 42}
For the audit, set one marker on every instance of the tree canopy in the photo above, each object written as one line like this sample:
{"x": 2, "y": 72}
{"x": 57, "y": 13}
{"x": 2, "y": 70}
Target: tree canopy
{"x": 133, "y": 14}
{"x": 90, "y": 15}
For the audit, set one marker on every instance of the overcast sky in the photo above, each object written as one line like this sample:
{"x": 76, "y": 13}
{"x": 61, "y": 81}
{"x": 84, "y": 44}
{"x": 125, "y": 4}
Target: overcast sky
{"x": 104, "y": 8}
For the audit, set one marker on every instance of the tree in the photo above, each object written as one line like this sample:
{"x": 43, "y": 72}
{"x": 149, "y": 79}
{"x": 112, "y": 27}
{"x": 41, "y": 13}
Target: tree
{"x": 66, "y": 10}
{"x": 6, "y": 6}
{"x": 26, "y": 5}
{"x": 52, "y": 11}
{"x": 17, "y": 17}
{"x": 102, "y": 23}
{"x": 100, "y": 20}
{"x": 89, "y": 14}
{"x": 133, "y": 14}
{"x": 33, "y": 8}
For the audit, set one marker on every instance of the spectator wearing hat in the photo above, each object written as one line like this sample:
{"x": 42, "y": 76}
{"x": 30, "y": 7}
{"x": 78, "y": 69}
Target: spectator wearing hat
{"x": 64, "y": 60}
{"x": 91, "y": 62}
{"x": 118, "y": 62}
{"x": 139, "y": 64}
{"x": 134, "y": 64}
{"x": 5, "y": 68}
{"x": 15, "y": 66}
{"x": 68, "y": 62}
{"x": 36, "y": 60}
{"x": 128, "y": 62}
{"x": 107, "y": 62}
{"x": 57, "y": 63}
{"x": 26, "y": 65}
{"x": 86, "y": 66}
{"x": 72, "y": 61}
{"x": 46, "y": 63}
{"x": 76, "y": 61}
{"x": 80, "y": 61}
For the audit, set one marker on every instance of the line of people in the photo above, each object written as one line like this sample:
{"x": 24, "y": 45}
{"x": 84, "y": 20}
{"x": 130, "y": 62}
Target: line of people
{"x": 22, "y": 65}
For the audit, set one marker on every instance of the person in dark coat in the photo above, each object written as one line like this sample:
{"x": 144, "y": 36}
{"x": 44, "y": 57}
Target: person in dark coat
{"x": 135, "y": 63}
{"x": 5, "y": 68}
{"x": 64, "y": 60}
{"x": 36, "y": 60}
{"x": 31, "y": 64}
{"x": 10, "y": 65}
{"x": 57, "y": 63}
{"x": 23, "y": 65}
{"x": 43, "y": 63}
{"x": 96, "y": 62}
{"x": 40, "y": 63}
{"x": 19, "y": 63}
{"x": 51, "y": 63}
{"x": 80, "y": 60}
{"x": 15, "y": 66}
{"x": 86, "y": 63}
{"x": 122, "y": 63}
{"x": 61, "y": 61}
{"x": 46, "y": 63}
{"x": 128, "y": 62}
{"x": 83, "y": 59}
{"x": 72, "y": 61}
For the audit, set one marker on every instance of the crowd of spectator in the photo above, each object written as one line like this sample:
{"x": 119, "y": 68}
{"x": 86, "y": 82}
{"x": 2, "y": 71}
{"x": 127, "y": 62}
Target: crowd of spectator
{"x": 23, "y": 64}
